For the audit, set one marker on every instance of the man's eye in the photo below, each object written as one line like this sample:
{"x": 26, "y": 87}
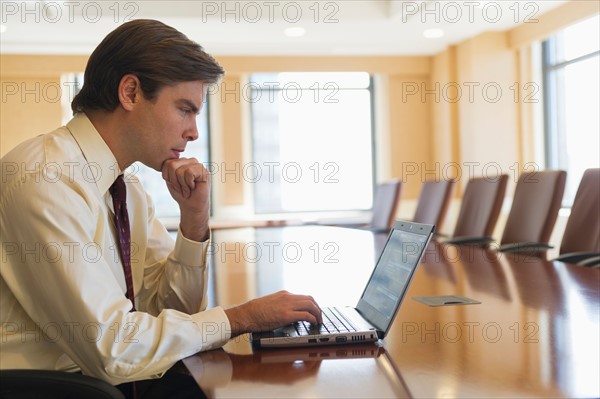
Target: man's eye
{"x": 186, "y": 111}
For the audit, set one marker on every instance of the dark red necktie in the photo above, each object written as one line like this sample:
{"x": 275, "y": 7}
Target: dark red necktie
{"x": 118, "y": 191}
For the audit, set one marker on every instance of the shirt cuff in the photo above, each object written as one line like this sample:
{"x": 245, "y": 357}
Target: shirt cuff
{"x": 190, "y": 253}
{"x": 214, "y": 327}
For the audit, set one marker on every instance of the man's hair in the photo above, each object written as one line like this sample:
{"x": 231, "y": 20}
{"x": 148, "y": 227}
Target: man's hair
{"x": 157, "y": 54}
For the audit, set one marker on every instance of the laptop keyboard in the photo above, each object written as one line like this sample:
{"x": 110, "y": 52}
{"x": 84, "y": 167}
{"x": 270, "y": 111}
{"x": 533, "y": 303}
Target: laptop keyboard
{"x": 333, "y": 322}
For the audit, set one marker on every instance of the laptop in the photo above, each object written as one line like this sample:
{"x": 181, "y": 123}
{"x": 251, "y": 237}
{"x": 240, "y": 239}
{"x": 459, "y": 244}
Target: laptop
{"x": 372, "y": 317}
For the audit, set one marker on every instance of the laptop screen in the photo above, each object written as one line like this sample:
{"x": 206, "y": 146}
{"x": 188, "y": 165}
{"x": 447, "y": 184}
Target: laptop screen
{"x": 393, "y": 273}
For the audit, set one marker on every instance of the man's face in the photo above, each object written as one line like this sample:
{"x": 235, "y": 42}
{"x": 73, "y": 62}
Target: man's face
{"x": 163, "y": 126}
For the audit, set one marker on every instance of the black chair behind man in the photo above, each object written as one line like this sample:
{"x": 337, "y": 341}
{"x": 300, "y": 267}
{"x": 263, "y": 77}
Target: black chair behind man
{"x": 581, "y": 239}
{"x": 383, "y": 213}
{"x": 385, "y": 206}
{"x": 29, "y": 384}
{"x": 434, "y": 201}
{"x": 479, "y": 210}
{"x": 537, "y": 200}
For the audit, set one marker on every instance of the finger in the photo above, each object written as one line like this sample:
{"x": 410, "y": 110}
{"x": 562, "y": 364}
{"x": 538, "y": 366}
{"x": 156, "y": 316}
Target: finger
{"x": 191, "y": 175}
{"x": 174, "y": 171}
{"x": 168, "y": 168}
{"x": 194, "y": 174}
{"x": 185, "y": 177}
{"x": 316, "y": 312}
{"x": 171, "y": 165}
{"x": 190, "y": 178}
{"x": 202, "y": 174}
{"x": 172, "y": 182}
{"x": 306, "y": 316}
{"x": 174, "y": 187}
{"x": 309, "y": 305}
{"x": 169, "y": 175}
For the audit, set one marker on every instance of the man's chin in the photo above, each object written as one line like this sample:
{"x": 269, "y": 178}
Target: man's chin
{"x": 157, "y": 167}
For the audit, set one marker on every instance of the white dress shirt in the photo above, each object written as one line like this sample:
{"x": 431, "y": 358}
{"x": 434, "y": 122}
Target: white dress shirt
{"x": 62, "y": 286}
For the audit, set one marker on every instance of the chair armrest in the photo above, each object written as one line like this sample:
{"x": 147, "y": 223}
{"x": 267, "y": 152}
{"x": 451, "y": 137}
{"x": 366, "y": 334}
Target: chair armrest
{"x": 469, "y": 240}
{"x": 578, "y": 257}
{"x": 525, "y": 247}
{"x": 591, "y": 262}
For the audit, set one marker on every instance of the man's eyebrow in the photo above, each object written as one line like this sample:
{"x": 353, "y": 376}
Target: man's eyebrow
{"x": 190, "y": 104}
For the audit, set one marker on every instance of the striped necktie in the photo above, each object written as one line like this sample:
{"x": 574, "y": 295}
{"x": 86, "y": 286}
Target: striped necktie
{"x": 118, "y": 191}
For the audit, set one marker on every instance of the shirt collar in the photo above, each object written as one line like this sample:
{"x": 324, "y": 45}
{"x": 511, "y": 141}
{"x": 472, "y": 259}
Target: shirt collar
{"x": 102, "y": 162}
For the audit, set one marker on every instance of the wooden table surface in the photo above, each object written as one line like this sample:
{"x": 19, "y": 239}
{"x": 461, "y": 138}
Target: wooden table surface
{"x": 535, "y": 333}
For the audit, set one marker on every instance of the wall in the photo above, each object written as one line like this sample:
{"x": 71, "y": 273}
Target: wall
{"x": 31, "y": 95}
{"x": 25, "y": 111}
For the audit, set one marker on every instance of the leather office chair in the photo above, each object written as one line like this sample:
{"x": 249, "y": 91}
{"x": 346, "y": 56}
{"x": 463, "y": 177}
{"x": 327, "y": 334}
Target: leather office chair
{"x": 581, "y": 240}
{"x": 385, "y": 206}
{"x": 33, "y": 384}
{"x": 479, "y": 211}
{"x": 383, "y": 215}
{"x": 434, "y": 201}
{"x": 533, "y": 212}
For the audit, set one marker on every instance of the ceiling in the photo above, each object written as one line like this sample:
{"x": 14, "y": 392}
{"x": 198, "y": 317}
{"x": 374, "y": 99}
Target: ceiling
{"x": 241, "y": 27}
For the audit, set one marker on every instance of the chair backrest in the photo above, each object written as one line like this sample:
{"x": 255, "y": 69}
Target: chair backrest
{"x": 27, "y": 384}
{"x": 480, "y": 206}
{"x": 385, "y": 204}
{"x": 535, "y": 206}
{"x": 582, "y": 233}
{"x": 433, "y": 202}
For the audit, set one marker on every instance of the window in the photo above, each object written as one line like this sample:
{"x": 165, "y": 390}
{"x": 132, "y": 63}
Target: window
{"x": 571, "y": 73}
{"x": 155, "y": 186}
{"x": 70, "y": 84}
{"x": 312, "y": 141}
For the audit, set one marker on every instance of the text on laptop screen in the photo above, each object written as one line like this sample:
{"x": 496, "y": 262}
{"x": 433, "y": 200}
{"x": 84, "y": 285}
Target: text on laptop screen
{"x": 393, "y": 271}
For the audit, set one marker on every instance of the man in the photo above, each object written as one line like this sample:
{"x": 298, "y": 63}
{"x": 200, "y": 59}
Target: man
{"x": 81, "y": 286}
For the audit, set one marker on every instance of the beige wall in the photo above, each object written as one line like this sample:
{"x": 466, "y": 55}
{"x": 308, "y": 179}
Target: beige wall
{"x": 30, "y": 106}
{"x": 230, "y": 151}
{"x": 31, "y": 93}
{"x": 444, "y": 113}
{"x": 488, "y": 137}
{"x": 410, "y": 144}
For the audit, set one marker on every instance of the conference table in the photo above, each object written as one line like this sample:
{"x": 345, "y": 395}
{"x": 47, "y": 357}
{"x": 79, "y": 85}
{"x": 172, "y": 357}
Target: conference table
{"x": 535, "y": 332}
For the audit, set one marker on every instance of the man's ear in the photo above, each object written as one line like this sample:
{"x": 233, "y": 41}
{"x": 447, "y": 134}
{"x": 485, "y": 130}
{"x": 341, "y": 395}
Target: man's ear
{"x": 129, "y": 91}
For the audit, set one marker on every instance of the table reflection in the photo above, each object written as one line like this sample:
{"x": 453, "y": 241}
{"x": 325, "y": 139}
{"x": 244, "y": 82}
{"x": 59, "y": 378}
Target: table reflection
{"x": 325, "y": 262}
{"x": 535, "y": 332}
{"x": 358, "y": 370}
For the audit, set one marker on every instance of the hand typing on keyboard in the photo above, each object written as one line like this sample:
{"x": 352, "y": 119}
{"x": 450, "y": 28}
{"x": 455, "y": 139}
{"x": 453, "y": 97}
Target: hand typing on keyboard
{"x": 273, "y": 311}
{"x": 332, "y": 323}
